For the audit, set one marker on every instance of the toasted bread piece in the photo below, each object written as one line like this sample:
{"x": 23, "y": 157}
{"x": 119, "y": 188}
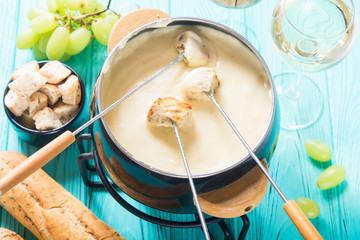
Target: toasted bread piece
{"x": 199, "y": 81}
{"x": 65, "y": 112}
{"x": 164, "y": 109}
{"x": 15, "y": 103}
{"x": 27, "y": 83}
{"x": 70, "y": 90}
{"x": 55, "y": 72}
{"x": 26, "y": 120}
{"x": 193, "y": 48}
{"x": 30, "y": 66}
{"x": 52, "y": 92}
{"x": 6, "y": 234}
{"x": 46, "y": 120}
{"x": 37, "y": 102}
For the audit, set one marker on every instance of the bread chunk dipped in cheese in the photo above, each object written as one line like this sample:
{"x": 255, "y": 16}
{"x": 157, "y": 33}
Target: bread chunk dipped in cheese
{"x": 200, "y": 81}
{"x": 193, "y": 48}
{"x": 164, "y": 109}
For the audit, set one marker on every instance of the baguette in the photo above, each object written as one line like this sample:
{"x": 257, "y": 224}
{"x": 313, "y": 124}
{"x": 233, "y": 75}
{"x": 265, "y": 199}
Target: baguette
{"x": 49, "y": 211}
{"x": 6, "y": 234}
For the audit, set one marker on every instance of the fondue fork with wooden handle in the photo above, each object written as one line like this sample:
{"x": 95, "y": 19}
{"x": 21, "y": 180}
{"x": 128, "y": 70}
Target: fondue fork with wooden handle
{"x": 56, "y": 146}
{"x": 301, "y": 222}
{"x": 191, "y": 182}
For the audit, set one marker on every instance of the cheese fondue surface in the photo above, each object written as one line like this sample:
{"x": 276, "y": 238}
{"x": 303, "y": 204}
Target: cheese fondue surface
{"x": 209, "y": 142}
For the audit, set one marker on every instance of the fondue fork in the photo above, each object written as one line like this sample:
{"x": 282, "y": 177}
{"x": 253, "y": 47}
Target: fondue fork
{"x": 191, "y": 182}
{"x": 56, "y": 146}
{"x": 301, "y": 222}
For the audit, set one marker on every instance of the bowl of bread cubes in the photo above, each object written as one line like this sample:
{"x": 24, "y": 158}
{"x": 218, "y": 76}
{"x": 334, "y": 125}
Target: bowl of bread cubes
{"x": 43, "y": 99}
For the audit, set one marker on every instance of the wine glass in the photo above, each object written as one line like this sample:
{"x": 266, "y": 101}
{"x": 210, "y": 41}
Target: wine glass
{"x": 232, "y": 22}
{"x": 311, "y": 35}
{"x": 236, "y": 3}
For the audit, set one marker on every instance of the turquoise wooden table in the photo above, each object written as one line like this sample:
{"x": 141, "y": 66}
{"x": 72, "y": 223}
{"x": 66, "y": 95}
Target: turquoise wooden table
{"x": 292, "y": 169}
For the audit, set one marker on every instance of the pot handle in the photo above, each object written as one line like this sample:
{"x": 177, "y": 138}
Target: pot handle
{"x": 36, "y": 161}
{"x": 301, "y": 222}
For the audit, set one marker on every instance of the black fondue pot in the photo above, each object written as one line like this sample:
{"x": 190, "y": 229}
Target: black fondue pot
{"x": 156, "y": 188}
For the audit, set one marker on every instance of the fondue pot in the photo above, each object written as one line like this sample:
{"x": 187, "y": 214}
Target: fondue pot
{"x": 164, "y": 190}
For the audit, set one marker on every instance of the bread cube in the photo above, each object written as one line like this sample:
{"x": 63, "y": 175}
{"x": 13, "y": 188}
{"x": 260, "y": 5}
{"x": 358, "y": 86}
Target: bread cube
{"x": 65, "y": 112}
{"x": 27, "y": 83}
{"x": 30, "y": 66}
{"x": 15, "y": 103}
{"x": 200, "y": 81}
{"x": 37, "y": 102}
{"x": 46, "y": 119}
{"x": 52, "y": 92}
{"x": 193, "y": 48}
{"x": 71, "y": 91}
{"x": 26, "y": 120}
{"x": 164, "y": 109}
{"x": 54, "y": 72}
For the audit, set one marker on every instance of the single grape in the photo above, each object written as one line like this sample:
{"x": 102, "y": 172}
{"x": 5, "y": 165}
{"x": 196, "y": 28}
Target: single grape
{"x": 57, "y": 43}
{"x": 74, "y": 4}
{"x": 38, "y": 54}
{"x": 309, "y": 207}
{"x": 66, "y": 12}
{"x": 78, "y": 40}
{"x": 60, "y": 5}
{"x": 88, "y": 5}
{"x": 34, "y": 12}
{"x": 331, "y": 177}
{"x": 65, "y": 57}
{"x": 43, "y": 41}
{"x": 51, "y": 4}
{"x": 26, "y": 39}
{"x": 318, "y": 150}
{"x": 111, "y": 18}
{"x": 101, "y": 30}
{"x": 44, "y": 23}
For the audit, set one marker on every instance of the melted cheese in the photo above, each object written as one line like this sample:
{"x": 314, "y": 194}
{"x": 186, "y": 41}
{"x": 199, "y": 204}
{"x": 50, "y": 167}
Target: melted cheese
{"x": 210, "y": 144}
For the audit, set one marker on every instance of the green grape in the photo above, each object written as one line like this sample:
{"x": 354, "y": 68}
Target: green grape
{"x": 101, "y": 30}
{"x": 26, "y": 39}
{"x": 38, "y": 54}
{"x": 51, "y": 4}
{"x": 318, "y": 150}
{"x": 88, "y": 5}
{"x": 99, "y": 7}
{"x": 43, "y": 41}
{"x": 34, "y": 12}
{"x": 331, "y": 177}
{"x": 78, "y": 40}
{"x": 66, "y": 12}
{"x": 111, "y": 18}
{"x": 74, "y": 4}
{"x": 44, "y": 23}
{"x": 65, "y": 57}
{"x": 57, "y": 43}
{"x": 309, "y": 207}
{"x": 60, "y": 5}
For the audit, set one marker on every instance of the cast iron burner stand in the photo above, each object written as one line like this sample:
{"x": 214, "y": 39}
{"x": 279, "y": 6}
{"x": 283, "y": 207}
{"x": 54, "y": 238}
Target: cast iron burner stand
{"x": 87, "y": 170}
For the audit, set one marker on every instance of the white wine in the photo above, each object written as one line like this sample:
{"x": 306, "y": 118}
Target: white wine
{"x": 313, "y": 35}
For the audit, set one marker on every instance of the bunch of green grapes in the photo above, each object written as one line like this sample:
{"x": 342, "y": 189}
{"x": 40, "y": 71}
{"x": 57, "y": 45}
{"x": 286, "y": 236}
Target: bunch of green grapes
{"x": 66, "y": 28}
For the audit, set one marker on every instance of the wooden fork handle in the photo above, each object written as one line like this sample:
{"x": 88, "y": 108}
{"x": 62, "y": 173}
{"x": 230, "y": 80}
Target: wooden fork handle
{"x": 36, "y": 161}
{"x": 301, "y": 222}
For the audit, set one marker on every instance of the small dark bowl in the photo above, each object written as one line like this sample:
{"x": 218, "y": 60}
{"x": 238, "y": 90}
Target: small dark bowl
{"x": 40, "y": 137}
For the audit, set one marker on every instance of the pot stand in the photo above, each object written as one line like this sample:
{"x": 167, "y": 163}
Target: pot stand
{"x": 91, "y": 166}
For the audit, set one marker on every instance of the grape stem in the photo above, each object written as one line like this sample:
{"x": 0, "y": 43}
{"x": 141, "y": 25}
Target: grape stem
{"x": 93, "y": 14}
